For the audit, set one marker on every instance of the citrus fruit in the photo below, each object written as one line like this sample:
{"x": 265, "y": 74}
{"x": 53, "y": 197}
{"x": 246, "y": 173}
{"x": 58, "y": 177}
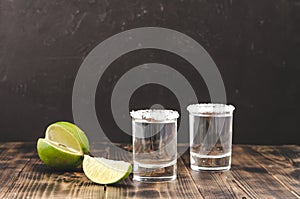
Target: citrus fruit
{"x": 77, "y": 133}
{"x": 104, "y": 171}
{"x": 63, "y": 146}
{"x": 59, "y": 156}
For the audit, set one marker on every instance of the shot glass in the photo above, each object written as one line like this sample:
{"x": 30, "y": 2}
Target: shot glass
{"x": 154, "y": 134}
{"x": 210, "y": 127}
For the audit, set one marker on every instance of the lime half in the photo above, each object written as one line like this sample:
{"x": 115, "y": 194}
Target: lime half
{"x": 63, "y": 147}
{"x": 66, "y": 131}
{"x": 77, "y": 133}
{"x": 59, "y": 156}
{"x": 104, "y": 171}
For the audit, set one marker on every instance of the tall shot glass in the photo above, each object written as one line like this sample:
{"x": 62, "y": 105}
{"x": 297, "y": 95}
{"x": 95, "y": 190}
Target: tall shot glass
{"x": 154, "y": 134}
{"x": 210, "y": 128}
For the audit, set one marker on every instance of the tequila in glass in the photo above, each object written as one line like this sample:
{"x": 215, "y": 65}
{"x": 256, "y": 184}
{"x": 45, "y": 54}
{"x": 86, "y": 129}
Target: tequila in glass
{"x": 154, "y": 145}
{"x": 210, "y": 136}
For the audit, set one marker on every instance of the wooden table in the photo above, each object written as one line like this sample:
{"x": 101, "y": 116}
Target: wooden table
{"x": 257, "y": 172}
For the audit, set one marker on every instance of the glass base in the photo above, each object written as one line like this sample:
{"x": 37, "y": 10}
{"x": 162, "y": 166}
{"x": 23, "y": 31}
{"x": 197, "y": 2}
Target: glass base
{"x": 196, "y": 168}
{"x": 210, "y": 162}
{"x": 159, "y": 174}
{"x": 154, "y": 179}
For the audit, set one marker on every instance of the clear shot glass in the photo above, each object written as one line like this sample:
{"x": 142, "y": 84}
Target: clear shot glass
{"x": 210, "y": 127}
{"x": 154, "y": 134}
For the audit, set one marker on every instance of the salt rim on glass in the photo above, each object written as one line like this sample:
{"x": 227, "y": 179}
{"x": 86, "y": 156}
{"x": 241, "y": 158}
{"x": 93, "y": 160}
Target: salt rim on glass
{"x": 155, "y": 115}
{"x": 210, "y": 109}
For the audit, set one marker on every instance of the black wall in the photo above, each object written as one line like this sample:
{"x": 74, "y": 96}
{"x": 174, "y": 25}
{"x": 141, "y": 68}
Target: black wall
{"x": 255, "y": 44}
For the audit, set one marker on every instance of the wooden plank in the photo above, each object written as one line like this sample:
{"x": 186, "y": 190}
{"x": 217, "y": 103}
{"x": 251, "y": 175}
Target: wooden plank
{"x": 257, "y": 172}
{"x": 253, "y": 178}
{"x": 183, "y": 187}
{"x": 282, "y": 162}
{"x": 215, "y": 184}
{"x": 14, "y": 156}
{"x": 37, "y": 180}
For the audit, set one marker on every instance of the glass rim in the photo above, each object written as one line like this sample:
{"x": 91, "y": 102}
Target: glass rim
{"x": 210, "y": 108}
{"x": 154, "y": 114}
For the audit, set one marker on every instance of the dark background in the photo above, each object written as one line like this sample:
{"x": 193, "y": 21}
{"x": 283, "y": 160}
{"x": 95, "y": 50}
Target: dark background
{"x": 255, "y": 44}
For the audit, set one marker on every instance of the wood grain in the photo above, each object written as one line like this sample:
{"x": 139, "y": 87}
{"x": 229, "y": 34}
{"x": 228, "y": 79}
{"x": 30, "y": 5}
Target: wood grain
{"x": 14, "y": 157}
{"x": 254, "y": 178}
{"x": 281, "y": 162}
{"x": 215, "y": 184}
{"x": 36, "y": 180}
{"x": 183, "y": 187}
{"x": 257, "y": 172}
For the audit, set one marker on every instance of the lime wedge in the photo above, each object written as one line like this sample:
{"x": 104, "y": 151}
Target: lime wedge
{"x": 66, "y": 132}
{"x": 104, "y": 171}
{"x": 59, "y": 156}
{"x": 78, "y": 134}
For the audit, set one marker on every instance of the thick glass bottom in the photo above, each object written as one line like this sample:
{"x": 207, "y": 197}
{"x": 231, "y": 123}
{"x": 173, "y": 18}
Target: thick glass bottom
{"x": 155, "y": 174}
{"x": 210, "y": 162}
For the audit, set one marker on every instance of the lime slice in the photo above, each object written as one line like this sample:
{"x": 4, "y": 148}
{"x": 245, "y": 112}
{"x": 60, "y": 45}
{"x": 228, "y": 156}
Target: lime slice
{"x": 104, "y": 171}
{"x": 78, "y": 134}
{"x": 59, "y": 156}
{"x": 66, "y": 132}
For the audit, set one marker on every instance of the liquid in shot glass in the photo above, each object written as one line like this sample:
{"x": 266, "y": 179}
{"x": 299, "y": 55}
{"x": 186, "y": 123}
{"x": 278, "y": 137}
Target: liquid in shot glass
{"x": 210, "y": 128}
{"x": 154, "y": 134}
